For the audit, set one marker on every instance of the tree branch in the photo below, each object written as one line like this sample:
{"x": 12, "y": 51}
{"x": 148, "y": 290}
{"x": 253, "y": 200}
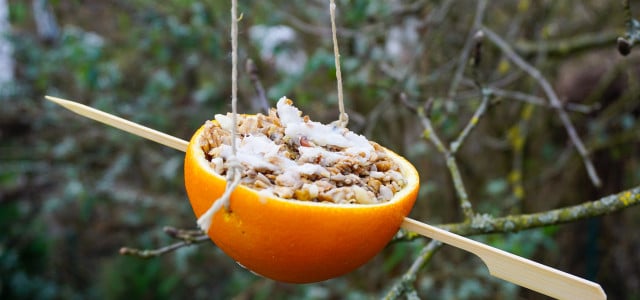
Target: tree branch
{"x": 517, "y": 135}
{"x": 262, "y": 102}
{"x": 466, "y": 50}
{"x": 449, "y": 153}
{"x": 430, "y": 134}
{"x": 404, "y": 286}
{"x": 187, "y": 237}
{"x": 482, "y": 108}
{"x": 633, "y": 30}
{"x": 514, "y": 223}
{"x": 553, "y": 100}
{"x": 568, "y": 46}
{"x": 532, "y": 99}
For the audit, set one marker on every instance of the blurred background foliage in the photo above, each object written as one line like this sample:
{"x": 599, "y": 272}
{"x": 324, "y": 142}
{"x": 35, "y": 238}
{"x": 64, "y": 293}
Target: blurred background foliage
{"x": 73, "y": 191}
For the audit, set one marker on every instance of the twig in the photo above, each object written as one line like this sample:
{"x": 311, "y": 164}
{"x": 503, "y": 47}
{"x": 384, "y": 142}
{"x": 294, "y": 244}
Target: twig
{"x": 514, "y": 223}
{"x": 458, "y": 184}
{"x": 182, "y": 234}
{"x": 517, "y": 135}
{"x": 568, "y": 46}
{"x": 626, "y": 8}
{"x": 404, "y": 285}
{"x": 449, "y": 153}
{"x": 466, "y": 50}
{"x": 435, "y": 17}
{"x": 317, "y": 30}
{"x": 633, "y": 30}
{"x": 632, "y": 34}
{"x": 482, "y": 108}
{"x": 553, "y": 100}
{"x": 430, "y": 134}
{"x": 476, "y": 55}
{"x": 531, "y": 99}
{"x": 187, "y": 237}
{"x": 252, "y": 70}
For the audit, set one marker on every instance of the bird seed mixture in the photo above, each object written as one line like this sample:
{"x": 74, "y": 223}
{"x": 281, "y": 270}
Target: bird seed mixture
{"x": 290, "y": 156}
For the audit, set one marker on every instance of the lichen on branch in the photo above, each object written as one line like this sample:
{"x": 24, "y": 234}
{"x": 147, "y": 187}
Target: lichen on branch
{"x": 513, "y": 223}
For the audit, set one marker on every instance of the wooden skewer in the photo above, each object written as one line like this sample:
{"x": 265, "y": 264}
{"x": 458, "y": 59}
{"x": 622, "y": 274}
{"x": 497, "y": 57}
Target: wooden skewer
{"x": 122, "y": 124}
{"x": 501, "y": 264}
{"x": 513, "y": 268}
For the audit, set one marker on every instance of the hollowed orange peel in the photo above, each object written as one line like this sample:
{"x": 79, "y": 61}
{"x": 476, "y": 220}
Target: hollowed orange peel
{"x": 295, "y": 241}
{"x": 305, "y": 242}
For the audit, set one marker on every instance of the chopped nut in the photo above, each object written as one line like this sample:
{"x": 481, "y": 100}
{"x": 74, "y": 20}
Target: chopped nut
{"x": 302, "y": 194}
{"x": 283, "y": 192}
{"x": 312, "y": 188}
{"x": 374, "y": 184}
{"x": 362, "y": 196}
{"x": 259, "y": 184}
{"x": 383, "y": 166}
{"x": 262, "y": 178}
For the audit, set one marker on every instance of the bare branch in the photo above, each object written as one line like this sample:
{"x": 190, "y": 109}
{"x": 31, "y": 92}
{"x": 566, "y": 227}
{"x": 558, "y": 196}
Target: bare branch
{"x": 531, "y": 99}
{"x": 430, "y": 134}
{"x": 464, "y": 54}
{"x": 482, "y": 108}
{"x": 404, "y": 285}
{"x": 626, "y": 7}
{"x": 514, "y": 223}
{"x": 568, "y": 46}
{"x": 182, "y": 234}
{"x": 553, "y": 100}
{"x": 252, "y": 70}
{"x": 517, "y": 136}
{"x": 187, "y": 237}
{"x": 633, "y": 31}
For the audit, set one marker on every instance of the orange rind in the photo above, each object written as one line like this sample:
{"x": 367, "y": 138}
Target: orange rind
{"x": 290, "y": 240}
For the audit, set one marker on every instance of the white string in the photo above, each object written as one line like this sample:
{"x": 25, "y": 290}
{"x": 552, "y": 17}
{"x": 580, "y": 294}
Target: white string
{"x": 234, "y": 168}
{"x": 234, "y": 172}
{"x": 343, "y": 119}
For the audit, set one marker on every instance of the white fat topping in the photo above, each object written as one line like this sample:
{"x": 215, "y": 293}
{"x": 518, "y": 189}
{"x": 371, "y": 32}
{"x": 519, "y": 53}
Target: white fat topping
{"x": 329, "y": 145}
{"x": 318, "y": 133}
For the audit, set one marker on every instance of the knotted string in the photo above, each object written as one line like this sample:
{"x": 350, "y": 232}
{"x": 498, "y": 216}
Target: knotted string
{"x": 234, "y": 168}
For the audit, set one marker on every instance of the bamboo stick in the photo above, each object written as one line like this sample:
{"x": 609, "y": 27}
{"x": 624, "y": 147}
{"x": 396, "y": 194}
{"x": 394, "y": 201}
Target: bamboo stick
{"x": 501, "y": 264}
{"x": 513, "y": 268}
{"x": 122, "y": 124}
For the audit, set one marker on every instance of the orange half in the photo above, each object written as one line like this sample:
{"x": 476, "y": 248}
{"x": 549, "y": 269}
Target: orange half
{"x": 290, "y": 240}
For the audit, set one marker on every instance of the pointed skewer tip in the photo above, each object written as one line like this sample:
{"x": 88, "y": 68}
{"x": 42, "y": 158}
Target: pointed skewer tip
{"x": 55, "y": 100}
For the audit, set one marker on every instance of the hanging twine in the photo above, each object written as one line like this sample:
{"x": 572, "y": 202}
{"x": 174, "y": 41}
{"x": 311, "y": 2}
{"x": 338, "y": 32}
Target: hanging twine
{"x": 234, "y": 168}
{"x": 343, "y": 119}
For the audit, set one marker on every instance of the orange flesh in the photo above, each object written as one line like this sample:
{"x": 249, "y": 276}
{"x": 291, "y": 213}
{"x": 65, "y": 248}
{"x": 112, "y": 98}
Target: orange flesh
{"x": 295, "y": 241}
